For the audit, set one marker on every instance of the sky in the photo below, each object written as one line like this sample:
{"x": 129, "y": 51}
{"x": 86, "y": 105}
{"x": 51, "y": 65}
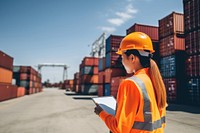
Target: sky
{"x": 62, "y": 31}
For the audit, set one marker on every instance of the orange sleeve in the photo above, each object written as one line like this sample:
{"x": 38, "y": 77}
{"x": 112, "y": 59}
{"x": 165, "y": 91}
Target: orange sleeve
{"x": 127, "y": 105}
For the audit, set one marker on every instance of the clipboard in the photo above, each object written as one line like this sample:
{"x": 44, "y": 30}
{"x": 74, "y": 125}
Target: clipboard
{"x": 107, "y": 103}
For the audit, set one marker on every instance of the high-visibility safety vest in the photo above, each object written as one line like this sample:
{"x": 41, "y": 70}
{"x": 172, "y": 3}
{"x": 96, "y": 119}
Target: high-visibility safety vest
{"x": 137, "y": 110}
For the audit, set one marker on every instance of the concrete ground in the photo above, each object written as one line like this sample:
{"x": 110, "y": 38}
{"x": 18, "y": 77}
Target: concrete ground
{"x": 55, "y": 111}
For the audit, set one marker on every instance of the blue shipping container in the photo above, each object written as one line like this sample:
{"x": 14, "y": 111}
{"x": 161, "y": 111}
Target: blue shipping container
{"x": 106, "y": 89}
{"x": 193, "y": 91}
{"x": 87, "y": 70}
{"x": 168, "y": 66}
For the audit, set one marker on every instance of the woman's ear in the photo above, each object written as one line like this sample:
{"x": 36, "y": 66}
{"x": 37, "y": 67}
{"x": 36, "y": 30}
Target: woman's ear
{"x": 132, "y": 57}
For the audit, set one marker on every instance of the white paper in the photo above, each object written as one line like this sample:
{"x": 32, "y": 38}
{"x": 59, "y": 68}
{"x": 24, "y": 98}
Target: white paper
{"x": 107, "y": 103}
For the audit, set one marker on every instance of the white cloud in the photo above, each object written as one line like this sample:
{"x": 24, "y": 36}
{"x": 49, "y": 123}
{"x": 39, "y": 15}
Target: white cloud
{"x": 120, "y": 17}
{"x": 107, "y": 29}
{"x": 130, "y": 9}
{"x": 116, "y": 21}
{"x": 123, "y": 15}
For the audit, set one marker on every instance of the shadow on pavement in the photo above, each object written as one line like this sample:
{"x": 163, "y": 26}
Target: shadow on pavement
{"x": 77, "y": 96}
{"x": 82, "y": 98}
{"x": 184, "y": 108}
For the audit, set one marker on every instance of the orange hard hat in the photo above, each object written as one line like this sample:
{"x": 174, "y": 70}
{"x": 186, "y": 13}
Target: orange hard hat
{"x": 136, "y": 40}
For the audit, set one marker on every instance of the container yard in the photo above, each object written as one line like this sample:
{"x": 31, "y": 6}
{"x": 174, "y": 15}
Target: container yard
{"x": 30, "y": 102}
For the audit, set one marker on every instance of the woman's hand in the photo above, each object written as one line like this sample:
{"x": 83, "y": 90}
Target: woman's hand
{"x": 97, "y": 109}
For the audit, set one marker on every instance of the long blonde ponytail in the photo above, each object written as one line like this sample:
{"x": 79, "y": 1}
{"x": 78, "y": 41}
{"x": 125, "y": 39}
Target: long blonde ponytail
{"x": 158, "y": 85}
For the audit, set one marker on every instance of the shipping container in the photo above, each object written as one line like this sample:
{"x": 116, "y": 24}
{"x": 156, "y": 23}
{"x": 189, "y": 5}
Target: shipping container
{"x": 173, "y": 65}
{"x": 113, "y": 60}
{"x": 113, "y": 72}
{"x": 114, "y": 91}
{"x": 192, "y": 42}
{"x": 175, "y": 89}
{"x": 191, "y": 14}
{"x": 89, "y": 61}
{"x": 89, "y": 89}
{"x": 87, "y": 70}
{"x": 115, "y": 81}
{"x": 6, "y": 61}
{"x": 7, "y": 92}
{"x": 107, "y": 90}
{"x": 151, "y": 31}
{"x": 193, "y": 91}
{"x": 193, "y": 66}
{"x": 113, "y": 43}
{"x": 170, "y": 44}
{"x": 156, "y": 55}
{"x": 5, "y": 75}
{"x": 171, "y": 24}
{"x": 101, "y": 77}
{"x": 20, "y": 91}
{"x": 26, "y": 84}
{"x": 89, "y": 79}
{"x": 100, "y": 90}
{"x": 16, "y": 69}
{"x": 102, "y": 64}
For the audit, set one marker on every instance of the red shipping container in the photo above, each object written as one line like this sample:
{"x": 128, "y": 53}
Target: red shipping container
{"x": 113, "y": 42}
{"x": 171, "y": 88}
{"x": 193, "y": 66}
{"x": 192, "y": 42}
{"x": 100, "y": 90}
{"x": 173, "y": 23}
{"x": 101, "y": 77}
{"x": 25, "y": 76}
{"x": 90, "y": 61}
{"x": 7, "y": 92}
{"x": 113, "y": 72}
{"x": 170, "y": 44}
{"x": 96, "y": 70}
{"x": 191, "y": 14}
{"x": 89, "y": 79}
{"x": 115, "y": 81}
{"x": 151, "y": 31}
{"x": 5, "y": 75}
{"x": 114, "y": 91}
{"x": 6, "y": 61}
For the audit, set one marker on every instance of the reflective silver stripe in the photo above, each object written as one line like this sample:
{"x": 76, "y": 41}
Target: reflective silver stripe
{"x": 147, "y": 124}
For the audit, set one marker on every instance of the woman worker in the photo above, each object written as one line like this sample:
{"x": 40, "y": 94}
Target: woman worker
{"x": 141, "y": 99}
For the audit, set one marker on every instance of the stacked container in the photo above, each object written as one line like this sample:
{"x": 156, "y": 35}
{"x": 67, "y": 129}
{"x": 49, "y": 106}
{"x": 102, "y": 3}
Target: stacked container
{"x": 76, "y": 83}
{"x": 114, "y": 67}
{"x": 172, "y": 52}
{"x": 68, "y": 85}
{"x": 101, "y": 75}
{"x": 192, "y": 45}
{"x": 7, "y": 90}
{"x": 152, "y": 32}
{"x": 89, "y": 75}
{"x": 27, "y": 77}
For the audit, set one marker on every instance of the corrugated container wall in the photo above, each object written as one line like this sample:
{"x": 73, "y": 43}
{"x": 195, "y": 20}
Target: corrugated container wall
{"x": 6, "y": 61}
{"x": 193, "y": 91}
{"x": 192, "y": 40}
{"x": 171, "y": 24}
{"x": 113, "y": 60}
{"x": 113, "y": 42}
{"x": 151, "y": 31}
{"x": 191, "y": 14}
{"x": 170, "y": 44}
{"x": 193, "y": 66}
{"x": 88, "y": 77}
